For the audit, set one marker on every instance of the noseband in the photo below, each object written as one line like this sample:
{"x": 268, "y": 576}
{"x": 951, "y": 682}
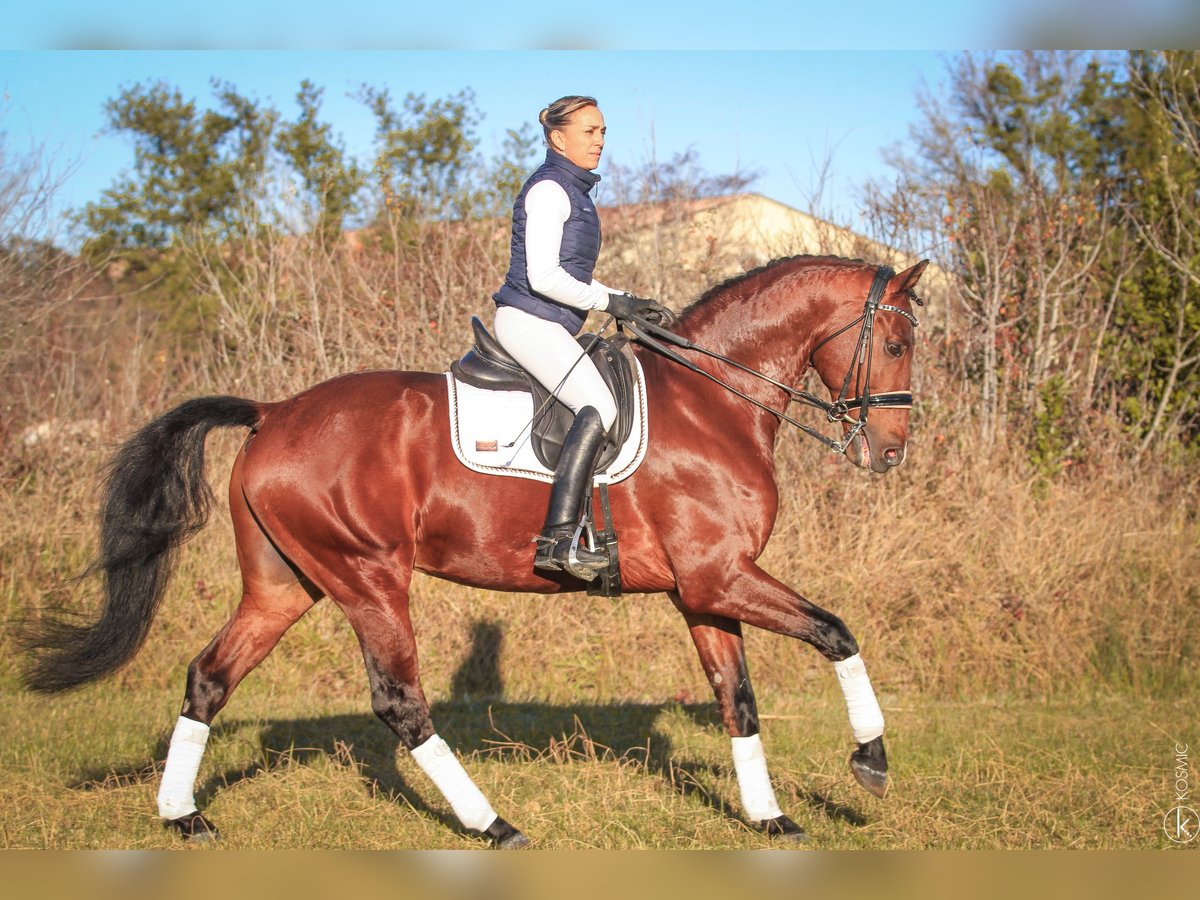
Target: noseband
{"x": 837, "y": 411}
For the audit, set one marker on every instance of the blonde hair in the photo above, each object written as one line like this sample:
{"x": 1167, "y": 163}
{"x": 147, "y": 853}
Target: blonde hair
{"x": 558, "y": 114}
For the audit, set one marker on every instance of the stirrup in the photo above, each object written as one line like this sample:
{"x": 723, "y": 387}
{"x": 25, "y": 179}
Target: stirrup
{"x": 553, "y": 556}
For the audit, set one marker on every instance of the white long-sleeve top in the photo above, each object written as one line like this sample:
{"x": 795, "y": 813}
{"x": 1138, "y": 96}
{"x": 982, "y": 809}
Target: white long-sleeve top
{"x": 547, "y": 209}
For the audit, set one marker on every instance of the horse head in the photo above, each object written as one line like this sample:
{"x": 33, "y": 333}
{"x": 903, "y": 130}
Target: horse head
{"x": 866, "y": 364}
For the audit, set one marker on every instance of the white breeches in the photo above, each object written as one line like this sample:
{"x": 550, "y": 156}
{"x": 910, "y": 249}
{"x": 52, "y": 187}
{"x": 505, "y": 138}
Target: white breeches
{"x": 549, "y": 353}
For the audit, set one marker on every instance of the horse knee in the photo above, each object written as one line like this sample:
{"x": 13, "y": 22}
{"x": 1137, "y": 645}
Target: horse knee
{"x": 206, "y": 692}
{"x": 833, "y": 639}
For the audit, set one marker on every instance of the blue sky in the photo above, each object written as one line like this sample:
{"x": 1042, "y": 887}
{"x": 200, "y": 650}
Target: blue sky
{"x": 486, "y": 24}
{"x": 779, "y": 112}
{"x": 613, "y": 24}
{"x": 753, "y": 85}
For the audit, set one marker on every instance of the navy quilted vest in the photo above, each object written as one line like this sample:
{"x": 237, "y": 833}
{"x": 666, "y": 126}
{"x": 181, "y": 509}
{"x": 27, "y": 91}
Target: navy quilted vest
{"x": 580, "y": 243}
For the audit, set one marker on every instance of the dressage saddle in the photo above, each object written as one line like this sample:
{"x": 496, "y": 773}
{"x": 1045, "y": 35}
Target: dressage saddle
{"x": 487, "y": 365}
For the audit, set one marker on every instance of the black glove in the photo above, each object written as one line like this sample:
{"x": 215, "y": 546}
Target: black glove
{"x": 627, "y": 306}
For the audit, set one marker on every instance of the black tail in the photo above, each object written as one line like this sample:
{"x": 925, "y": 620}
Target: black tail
{"x": 155, "y": 498}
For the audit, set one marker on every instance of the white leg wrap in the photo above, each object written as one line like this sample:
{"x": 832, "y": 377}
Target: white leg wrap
{"x": 175, "y": 794}
{"x": 750, "y": 763}
{"x": 438, "y": 761}
{"x": 866, "y": 718}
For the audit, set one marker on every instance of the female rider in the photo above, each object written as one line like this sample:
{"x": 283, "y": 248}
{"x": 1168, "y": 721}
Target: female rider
{"x": 544, "y": 302}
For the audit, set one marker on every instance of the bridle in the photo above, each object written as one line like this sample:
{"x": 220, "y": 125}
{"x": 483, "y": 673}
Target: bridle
{"x": 839, "y": 410}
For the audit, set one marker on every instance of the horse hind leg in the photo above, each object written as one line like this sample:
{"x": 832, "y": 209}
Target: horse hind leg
{"x": 719, "y": 642}
{"x": 251, "y": 633}
{"x": 375, "y": 600}
{"x": 274, "y": 597}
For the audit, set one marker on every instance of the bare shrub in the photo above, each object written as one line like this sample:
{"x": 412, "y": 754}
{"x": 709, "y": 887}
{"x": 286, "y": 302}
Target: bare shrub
{"x": 40, "y": 358}
{"x": 295, "y": 309}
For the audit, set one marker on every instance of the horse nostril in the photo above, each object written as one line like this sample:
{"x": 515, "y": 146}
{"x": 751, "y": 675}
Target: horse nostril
{"x": 893, "y": 455}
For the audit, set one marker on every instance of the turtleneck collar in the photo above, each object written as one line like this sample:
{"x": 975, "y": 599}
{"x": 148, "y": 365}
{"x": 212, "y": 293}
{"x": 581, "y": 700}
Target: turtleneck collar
{"x": 587, "y": 179}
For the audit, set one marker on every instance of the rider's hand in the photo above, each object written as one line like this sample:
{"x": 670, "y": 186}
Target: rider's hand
{"x": 627, "y": 306}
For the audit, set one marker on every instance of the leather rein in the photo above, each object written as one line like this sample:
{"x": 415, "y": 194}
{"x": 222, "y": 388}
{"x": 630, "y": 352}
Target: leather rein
{"x": 656, "y": 337}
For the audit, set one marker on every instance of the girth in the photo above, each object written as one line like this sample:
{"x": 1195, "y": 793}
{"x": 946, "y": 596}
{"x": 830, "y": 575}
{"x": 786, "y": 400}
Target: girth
{"x": 487, "y": 365}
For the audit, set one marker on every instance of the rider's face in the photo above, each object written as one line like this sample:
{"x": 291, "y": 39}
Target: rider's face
{"x": 582, "y": 139}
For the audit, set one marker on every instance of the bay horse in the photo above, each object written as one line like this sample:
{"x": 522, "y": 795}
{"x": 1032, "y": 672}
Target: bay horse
{"x": 349, "y": 487}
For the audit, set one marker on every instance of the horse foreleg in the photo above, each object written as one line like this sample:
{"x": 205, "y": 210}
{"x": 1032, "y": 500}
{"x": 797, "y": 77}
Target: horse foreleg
{"x": 390, "y": 653}
{"x": 718, "y": 640}
{"x": 750, "y": 595}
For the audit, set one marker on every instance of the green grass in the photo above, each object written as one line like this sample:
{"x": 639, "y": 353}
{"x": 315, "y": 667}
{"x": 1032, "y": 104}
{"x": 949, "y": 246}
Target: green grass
{"x": 289, "y": 769}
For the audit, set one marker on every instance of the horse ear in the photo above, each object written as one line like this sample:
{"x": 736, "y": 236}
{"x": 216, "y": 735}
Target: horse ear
{"x": 908, "y": 279}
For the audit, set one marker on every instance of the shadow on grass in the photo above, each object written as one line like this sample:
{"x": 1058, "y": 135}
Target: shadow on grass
{"x": 476, "y": 719}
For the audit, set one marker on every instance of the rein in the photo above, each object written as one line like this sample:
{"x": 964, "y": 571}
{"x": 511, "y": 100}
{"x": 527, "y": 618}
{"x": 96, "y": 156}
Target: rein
{"x": 655, "y": 337}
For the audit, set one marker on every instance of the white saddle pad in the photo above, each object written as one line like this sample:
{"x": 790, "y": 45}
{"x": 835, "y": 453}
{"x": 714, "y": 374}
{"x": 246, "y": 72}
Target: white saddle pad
{"x": 490, "y": 432}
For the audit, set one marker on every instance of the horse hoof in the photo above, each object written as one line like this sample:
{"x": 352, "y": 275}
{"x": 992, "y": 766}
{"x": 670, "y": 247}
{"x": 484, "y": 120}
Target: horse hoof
{"x": 504, "y": 837}
{"x": 783, "y": 829}
{"x": 195, "y": 828}
{"x": 869, "y": 765}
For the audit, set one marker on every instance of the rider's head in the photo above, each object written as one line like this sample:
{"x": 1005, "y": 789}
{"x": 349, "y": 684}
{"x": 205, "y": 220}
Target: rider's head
{"x": 574, "y": 128}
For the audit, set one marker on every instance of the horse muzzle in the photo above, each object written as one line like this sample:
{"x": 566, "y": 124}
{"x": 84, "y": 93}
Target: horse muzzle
{"x": 879, "y": 453}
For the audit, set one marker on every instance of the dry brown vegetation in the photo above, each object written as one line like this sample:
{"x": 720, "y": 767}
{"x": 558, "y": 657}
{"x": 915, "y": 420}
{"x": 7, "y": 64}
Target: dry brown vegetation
{"x": 956, "y": 574}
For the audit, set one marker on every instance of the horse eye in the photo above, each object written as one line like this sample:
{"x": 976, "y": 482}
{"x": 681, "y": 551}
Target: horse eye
{"x": 894, "y": 348}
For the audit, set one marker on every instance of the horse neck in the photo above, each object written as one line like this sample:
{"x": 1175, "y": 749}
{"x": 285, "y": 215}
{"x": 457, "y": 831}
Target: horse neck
{"x": 766, "y": 324}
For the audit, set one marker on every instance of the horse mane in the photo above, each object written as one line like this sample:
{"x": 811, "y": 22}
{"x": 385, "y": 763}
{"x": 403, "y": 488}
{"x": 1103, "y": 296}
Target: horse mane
{"x": 714, "y": 294}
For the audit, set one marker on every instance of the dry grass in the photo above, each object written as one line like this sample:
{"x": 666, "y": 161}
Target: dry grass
{"x": 957, "y": 576}
{"x": 955, "y": 586}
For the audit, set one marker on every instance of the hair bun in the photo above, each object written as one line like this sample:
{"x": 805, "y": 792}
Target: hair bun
{"x": 558, "y": 114}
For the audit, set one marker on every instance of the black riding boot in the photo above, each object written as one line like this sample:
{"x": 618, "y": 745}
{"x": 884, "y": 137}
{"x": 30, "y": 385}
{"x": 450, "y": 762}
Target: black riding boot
{"x": 572, "y": 482}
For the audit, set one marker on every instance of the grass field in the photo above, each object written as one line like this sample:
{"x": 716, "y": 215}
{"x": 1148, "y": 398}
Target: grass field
{"x": 288, "y": 768}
